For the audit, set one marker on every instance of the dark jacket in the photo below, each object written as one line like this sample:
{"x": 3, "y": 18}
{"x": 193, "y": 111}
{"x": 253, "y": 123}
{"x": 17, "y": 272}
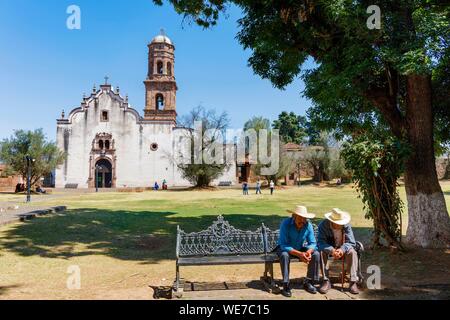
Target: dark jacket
{"x": 325, "y": 237}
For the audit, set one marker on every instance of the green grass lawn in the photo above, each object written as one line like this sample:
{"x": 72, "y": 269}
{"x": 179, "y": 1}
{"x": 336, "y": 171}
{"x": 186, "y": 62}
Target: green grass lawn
{"x": 125, "y": 241}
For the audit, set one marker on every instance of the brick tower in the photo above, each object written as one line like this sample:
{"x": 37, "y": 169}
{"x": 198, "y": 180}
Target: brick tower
{"x": 160, "y": 85}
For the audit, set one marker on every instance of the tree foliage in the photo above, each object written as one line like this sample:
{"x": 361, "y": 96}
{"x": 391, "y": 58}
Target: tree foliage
{"x": 292, "y": 127}
{"x": 257, "y": 123}
{"x": 376, "y": 164}
{"x": 46, "y": 154}
{"x": 284, "y": 161}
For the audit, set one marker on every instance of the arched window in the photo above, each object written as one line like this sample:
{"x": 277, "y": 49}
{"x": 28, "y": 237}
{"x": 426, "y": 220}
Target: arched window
{"x": 159, "y": 101}
{"x": 169, "y": 68}
{"x": 160, "y": 67}
{"x": 100, "y": 144}
{"x": 107, "y": 144}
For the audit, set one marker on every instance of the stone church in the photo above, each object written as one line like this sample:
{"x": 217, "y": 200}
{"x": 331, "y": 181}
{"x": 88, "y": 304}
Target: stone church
{"x": 109, "y": 144}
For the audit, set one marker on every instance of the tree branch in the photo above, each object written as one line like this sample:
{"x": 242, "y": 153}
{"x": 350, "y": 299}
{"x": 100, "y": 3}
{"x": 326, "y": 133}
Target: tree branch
{"x": 387, "y": 105}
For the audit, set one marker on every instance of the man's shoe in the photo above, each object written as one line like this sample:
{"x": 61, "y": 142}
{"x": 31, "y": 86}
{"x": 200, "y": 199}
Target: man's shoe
{"x": 353, "y": 288}
{"x": 309, "y": 287}
{"x": 326, "y": 286}
{"x": 286, "y": 291}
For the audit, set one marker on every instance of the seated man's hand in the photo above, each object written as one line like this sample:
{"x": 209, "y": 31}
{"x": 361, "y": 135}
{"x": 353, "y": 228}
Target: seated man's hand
{"x": 308, "y": 255}
{"x": 338, "y": 254}
{"x": 303, "y": 257}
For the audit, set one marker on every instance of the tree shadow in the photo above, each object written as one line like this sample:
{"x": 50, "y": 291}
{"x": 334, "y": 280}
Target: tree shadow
{"x": 4, "y": 289}
{"x": 144, "y": 236}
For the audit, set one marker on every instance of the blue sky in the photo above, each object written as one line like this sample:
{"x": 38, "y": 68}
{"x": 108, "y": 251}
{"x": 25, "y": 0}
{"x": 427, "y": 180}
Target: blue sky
{"x": 45, "y": 67}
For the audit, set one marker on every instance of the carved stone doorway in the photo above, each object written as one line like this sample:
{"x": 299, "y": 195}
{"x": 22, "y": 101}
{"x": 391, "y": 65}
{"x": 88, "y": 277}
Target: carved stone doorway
{"x": 103, "y": 154}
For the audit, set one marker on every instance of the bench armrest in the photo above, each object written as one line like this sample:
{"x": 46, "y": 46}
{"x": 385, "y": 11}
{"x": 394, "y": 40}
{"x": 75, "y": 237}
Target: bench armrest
{"x": 359, "y": 247}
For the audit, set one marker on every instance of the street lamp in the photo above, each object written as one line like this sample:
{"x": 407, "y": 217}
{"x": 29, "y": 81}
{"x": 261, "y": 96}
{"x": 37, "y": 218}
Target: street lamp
{"x": 29, "y": 160}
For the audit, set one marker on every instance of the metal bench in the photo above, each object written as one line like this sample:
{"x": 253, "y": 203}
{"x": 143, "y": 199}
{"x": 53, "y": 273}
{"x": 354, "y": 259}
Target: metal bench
{"x": 223, "y": 244}
{"x": 71, "y": 186}
{"x": 225, "y": 183}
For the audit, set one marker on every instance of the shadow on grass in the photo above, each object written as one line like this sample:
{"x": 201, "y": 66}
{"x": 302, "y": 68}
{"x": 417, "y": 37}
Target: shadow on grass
{"x": 144, "y": 236}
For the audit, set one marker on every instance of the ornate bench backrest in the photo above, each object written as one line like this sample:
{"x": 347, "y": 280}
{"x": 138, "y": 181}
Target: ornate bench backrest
{"x": 220, "y": 238}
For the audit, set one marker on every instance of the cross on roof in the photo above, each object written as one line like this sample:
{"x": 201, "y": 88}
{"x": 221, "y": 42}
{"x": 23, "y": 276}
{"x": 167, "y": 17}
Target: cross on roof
{"x": 106, "y": 79}
{"x": 162, "y": 32}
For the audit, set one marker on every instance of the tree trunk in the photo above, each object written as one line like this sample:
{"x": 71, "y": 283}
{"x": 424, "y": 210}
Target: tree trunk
{"x": 318, "y": 177}
{"x": 428, "y": 220}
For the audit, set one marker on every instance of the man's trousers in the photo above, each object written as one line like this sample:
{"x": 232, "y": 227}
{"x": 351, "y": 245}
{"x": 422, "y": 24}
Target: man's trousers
{"x": 313, "y": 265}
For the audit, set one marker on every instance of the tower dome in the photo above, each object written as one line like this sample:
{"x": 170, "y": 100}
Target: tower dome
{"x": 162, "y": 38}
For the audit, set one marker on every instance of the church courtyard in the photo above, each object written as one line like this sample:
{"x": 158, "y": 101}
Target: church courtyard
{"x": 124, "y": 245}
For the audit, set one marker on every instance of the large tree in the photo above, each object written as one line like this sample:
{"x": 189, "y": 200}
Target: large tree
{"x": 285, "y": 161}
{"x": 292, "y": 127}
{"x": 204, "y": 142}
{"x": 46, "y": 155}
{"x": 386, "y": 71}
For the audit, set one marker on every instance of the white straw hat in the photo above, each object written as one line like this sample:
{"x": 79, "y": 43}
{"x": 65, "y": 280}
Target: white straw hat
{"x": 302, "y": 211}
{"x": 338, "y": 216}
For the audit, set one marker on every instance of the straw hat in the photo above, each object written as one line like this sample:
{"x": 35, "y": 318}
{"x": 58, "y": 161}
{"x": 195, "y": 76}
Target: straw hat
{"x": 338, "y": 216}
{"x": 302, "y": 212}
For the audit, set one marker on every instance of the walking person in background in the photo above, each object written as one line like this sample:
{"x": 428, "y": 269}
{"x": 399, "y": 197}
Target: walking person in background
{"x": 156, "y": 186}
{"x": 258, "y": 187}
{"x": 245, "y": 188}
{"x": 272, "y": 186}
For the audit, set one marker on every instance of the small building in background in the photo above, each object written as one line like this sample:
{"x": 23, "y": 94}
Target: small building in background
{"x": 8, "y": 182}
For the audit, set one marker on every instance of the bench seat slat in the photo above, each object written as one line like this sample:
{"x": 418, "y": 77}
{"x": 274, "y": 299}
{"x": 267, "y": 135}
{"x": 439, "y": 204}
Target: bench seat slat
{"x": 221, "y": 260}
{"x": 226, "y": 260}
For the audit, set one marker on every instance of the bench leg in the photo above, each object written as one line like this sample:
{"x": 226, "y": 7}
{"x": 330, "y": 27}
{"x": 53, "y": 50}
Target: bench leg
{"x": 360, "y": 275}
{"x": 266, "y": 270}
{"x": 178, "y": 286}
{"x": 268, "y": 278}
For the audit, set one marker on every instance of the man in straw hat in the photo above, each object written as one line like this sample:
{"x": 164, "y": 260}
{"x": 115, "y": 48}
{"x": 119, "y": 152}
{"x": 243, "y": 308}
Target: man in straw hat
{"x": 297, "y": 240}
{"x": 336, "y": 239}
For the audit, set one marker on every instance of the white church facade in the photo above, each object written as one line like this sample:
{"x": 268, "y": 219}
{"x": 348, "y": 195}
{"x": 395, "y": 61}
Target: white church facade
{"x": 109, "y": 144}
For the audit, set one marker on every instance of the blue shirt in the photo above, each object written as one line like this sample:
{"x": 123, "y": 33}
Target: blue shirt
{"x": 292, "y": 238}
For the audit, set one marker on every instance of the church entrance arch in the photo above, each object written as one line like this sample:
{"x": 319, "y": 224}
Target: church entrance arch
{"x": 103, "y": 169}
{"x": 103, "y": 162}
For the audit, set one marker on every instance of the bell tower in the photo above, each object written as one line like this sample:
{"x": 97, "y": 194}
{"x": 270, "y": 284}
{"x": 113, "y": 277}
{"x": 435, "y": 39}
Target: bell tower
{"x": 160, "y": 85}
